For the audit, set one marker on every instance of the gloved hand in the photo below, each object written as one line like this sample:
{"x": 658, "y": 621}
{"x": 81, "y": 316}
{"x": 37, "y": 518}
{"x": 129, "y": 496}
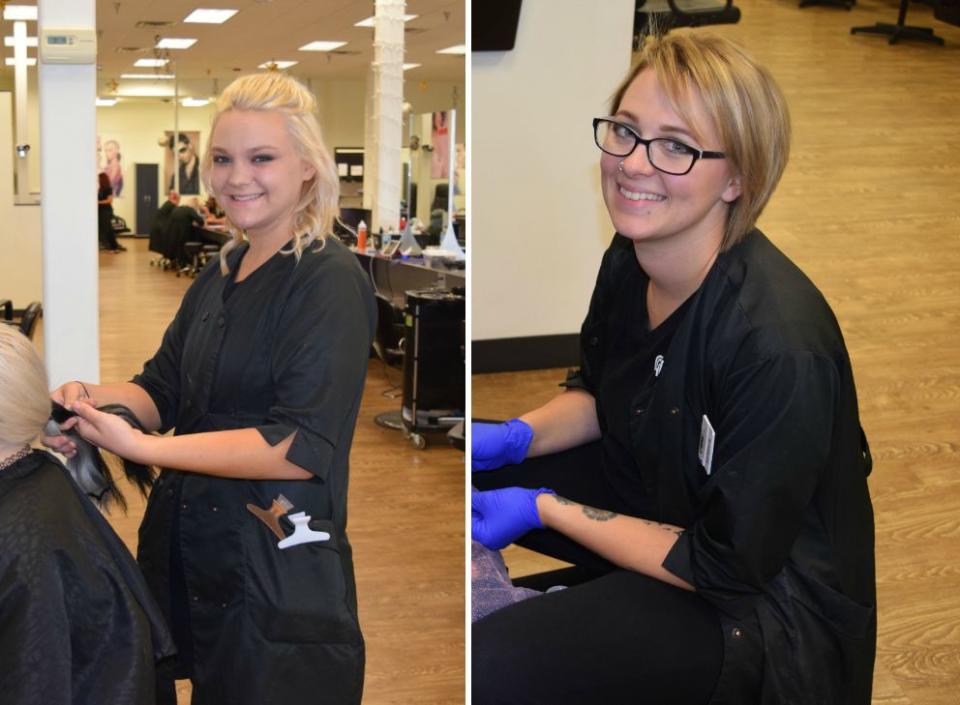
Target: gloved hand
{"x": 497, "y": 444}
{"x": 499, "y": 517}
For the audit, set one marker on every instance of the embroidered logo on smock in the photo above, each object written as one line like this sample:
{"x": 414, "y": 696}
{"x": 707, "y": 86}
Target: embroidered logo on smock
{"x": 657, "y": 365}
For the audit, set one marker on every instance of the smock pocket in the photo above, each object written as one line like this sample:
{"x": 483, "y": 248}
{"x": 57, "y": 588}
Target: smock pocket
{"x": 298, "y": 594}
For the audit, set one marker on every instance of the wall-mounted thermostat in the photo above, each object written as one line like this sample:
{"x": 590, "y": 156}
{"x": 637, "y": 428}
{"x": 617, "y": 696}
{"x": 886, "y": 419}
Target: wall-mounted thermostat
{"x": 68, "y": 46}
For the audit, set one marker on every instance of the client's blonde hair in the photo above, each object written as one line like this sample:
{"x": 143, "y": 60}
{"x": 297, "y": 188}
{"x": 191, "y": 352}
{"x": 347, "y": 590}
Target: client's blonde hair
{"x": 315, "y": 213}
{"x": 24, "y": 397}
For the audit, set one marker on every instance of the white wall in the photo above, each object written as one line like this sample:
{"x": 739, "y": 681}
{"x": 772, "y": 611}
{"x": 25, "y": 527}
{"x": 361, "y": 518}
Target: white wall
{"x": 537, "y": 223}
{"x": 137, "y": 124}
{"x": 20, "y": 243}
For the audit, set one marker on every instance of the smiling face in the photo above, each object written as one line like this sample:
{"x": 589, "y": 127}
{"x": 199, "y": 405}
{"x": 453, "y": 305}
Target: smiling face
{"x": 256, "y": 173}
{"x": 647, "y": 205}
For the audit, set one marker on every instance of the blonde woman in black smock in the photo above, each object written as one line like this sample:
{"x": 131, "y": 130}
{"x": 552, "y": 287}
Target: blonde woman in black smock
{"x": 261, "y": 374}
{"x": 706, "y": 470}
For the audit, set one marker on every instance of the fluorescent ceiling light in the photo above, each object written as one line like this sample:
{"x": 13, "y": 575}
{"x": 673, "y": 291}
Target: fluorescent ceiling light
{"x": 458, "y": 49}
{"x": 407, "y": 67}
{"x": 207, "y": 16}
{"x": 28, "y": 41}
{"x": 194, "y": 102}
{"x": 20, "y": 12}
{"x": 277, "y": 65}
{"x": 148, "y": 76}
{"x": 369, "y": 21}
{"x": 151, "y": 63}
{"x": 10, "y": 61}
{"x": 106, "y": 102}
{"x": 321, "y": 46}
{"x": 145, "y": 91}
{"x": 174, "y": 43}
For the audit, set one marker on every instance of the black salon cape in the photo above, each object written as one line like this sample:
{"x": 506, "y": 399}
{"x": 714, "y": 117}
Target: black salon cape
{"x": 779, "y": 537}
{"x": 286, "y": 354}
{"x": 77, "y": 622}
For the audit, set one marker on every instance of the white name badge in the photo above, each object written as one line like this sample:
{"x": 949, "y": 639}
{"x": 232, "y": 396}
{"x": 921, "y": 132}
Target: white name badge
{"x": 707, "y": 436}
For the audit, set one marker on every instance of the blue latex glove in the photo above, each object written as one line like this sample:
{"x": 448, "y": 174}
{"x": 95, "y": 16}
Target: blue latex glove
{"x": 497, "y": 444}
{"x": 500, "y": 517}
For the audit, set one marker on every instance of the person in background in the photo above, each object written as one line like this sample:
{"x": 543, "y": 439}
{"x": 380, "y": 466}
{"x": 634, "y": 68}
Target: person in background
{"x": 160, "y": 226}
{"x": 108, "y": 238}
{"x": 184, "y": 224}
{"x": 705, "y": 470}
{"x": 260, "y": 374}
{"x": 79, "y": 624}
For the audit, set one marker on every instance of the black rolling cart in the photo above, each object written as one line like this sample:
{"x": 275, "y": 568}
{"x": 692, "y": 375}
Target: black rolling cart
{"x": 434, "y": 388}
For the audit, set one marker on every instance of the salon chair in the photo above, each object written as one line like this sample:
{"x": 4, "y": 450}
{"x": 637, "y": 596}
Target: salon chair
{"x": 901, "y": 30}
{"x": 27, "y": 321}
{"x": 660, "y": 16}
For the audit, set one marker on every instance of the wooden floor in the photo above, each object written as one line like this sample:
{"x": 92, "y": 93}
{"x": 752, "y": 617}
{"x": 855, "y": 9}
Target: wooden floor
{"x": 405, "y": 506}
{"x": 870, "y": 209}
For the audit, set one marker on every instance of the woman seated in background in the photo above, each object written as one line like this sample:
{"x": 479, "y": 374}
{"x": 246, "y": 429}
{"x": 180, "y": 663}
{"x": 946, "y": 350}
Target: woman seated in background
{"x": 77, "y": 622}
{"x": 706, "y": 470}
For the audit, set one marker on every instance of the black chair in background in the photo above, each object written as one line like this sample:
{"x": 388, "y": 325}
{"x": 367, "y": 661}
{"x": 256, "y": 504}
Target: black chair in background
{"x": 660, "y": 16}
{"x": 901, "y": 30}
{"x": 27, "y": 321}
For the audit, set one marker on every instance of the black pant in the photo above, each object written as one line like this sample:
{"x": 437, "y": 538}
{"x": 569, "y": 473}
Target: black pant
{"x": 617, "y": 637}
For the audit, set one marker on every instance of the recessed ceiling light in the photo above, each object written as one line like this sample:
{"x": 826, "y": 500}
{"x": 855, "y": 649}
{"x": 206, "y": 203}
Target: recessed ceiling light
{"x": 28, "y": 41}
{"x": 207, "y": 16}
{"x": 370, "y": 20}
{"x": 458, "y": 49}
{"x": 106, "y": 102}
{"x": 321, "y": 46}
{"x": 148, "y": 76}
{"x": 20, "y": 12}
{"x": 174, "y": 43}
{"x": 194, "y": 102}
{"x": 407, "y": 67}
{"x": 10, "y": 61}
{"x": 277, "y": 65}
{"x": 151, "y": 63}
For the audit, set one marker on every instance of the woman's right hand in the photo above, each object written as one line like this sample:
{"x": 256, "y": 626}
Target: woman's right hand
{"x": 65, "y": 395}
{"x": 495, "y": 445}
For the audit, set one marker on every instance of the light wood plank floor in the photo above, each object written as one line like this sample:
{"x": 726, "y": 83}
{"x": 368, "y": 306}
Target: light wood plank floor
{"x": 870, "y": 209}
{"x": 405, "y": 506}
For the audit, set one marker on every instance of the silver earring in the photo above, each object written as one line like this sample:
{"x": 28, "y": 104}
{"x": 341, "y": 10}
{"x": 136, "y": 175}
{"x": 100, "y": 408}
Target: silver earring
{"x": 620, "y": 166}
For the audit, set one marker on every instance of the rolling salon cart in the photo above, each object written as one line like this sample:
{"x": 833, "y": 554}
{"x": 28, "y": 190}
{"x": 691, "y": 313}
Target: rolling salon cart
{"x": 434, "y": 391}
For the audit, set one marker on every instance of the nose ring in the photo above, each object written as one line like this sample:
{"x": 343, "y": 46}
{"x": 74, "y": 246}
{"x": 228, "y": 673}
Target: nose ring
{"x": 620, "y": 166}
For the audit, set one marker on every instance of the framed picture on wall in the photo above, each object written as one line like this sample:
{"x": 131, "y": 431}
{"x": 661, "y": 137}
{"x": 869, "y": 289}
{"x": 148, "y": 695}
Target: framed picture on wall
{"x": 185, "y": 154}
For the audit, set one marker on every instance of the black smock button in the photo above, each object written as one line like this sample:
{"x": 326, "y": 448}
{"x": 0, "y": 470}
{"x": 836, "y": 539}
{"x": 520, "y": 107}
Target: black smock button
{"x": 736, "y": 632}
{"x": 221, "y": 322}
{"x": 674, "y": 411}
{"x": 205, "y": 316}
{"x": 183, "y": 505}
{"x": 594, "y": 341}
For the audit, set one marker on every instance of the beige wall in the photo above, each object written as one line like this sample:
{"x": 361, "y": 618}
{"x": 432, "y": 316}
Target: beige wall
{"x": 537, "y": 222}
{"x": 20, "y": 244}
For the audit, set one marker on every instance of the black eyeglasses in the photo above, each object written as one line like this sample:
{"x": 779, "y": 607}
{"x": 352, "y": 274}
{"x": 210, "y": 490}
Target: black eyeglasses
{"x": 665, "y": 154}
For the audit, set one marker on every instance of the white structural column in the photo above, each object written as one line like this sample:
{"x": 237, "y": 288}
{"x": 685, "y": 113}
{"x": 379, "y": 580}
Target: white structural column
{"x": 387, "y": 112}
{"x": 20, "y": 98}
{"x": 68, "y": 125}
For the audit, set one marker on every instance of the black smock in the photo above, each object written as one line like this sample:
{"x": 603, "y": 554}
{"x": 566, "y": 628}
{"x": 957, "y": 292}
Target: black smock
{"x": 285, "y": 352}
{"x": 77, "y": 623}
{"x": 779, "y": 535}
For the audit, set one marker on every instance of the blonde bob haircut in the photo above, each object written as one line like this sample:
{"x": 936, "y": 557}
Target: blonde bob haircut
{"x": 743, "y": 101}
{"x": 315, "y": 213}
{"x": 24, "y": 399}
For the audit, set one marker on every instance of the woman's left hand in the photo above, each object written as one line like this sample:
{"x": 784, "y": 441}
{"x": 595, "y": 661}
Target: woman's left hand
{"x": 500, "y": 517}
{"x": 109, "y": 431}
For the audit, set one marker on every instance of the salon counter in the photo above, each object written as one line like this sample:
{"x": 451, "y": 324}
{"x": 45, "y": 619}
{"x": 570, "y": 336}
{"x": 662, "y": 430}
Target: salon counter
{"x": 394, "y": 277}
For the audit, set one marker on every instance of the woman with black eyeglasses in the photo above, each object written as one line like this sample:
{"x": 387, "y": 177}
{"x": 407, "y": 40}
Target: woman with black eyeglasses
{"x": 705, "y": 469}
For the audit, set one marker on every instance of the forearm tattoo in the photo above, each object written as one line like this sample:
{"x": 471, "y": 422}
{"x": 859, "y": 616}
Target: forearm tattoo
{"x": 607, "y": 515}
